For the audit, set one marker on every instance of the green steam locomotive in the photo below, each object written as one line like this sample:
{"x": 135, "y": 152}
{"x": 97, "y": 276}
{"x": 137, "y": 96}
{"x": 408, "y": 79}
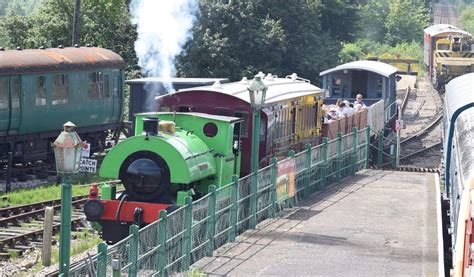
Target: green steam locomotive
{"x": 171, "y": 156}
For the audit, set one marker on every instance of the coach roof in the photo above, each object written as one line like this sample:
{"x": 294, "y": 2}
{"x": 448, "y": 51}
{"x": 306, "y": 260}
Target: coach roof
{"x": 30, "y": 61}
{"x": 279, "y": 89}
{"x": 373, "y": 66}
{"x": 443, "y": 30}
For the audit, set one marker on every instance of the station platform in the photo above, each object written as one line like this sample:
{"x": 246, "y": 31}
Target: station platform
{"x": 376, "y": 223}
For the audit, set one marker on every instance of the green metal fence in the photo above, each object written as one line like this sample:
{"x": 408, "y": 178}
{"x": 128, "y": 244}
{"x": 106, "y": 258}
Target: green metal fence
{"x": 194, "y": 231}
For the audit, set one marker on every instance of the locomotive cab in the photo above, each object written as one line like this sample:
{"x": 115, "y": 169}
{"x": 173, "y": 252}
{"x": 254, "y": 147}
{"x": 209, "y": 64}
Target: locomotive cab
{"x": 171, "y": 156}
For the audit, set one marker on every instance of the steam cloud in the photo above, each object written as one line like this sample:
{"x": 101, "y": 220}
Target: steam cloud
{"x": 163, "y": 28}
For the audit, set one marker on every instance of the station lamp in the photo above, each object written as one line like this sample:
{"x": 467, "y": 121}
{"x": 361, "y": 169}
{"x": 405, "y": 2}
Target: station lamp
{"x": 67, "y": 153}
{"x": 257, "y": 92}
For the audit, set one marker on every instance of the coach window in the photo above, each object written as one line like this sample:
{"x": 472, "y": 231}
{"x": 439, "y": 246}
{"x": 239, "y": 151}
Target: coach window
{"x": 15, "y": 81}
{"x": 93, "y": 86}
{"x": 337, "y": 86}
{"x": 378, "y": 88}
{"x": 115, "y": 85}
{"x": 244, "y": 132}
{"x": 41, "y": 91}
{"x": 4, "y": 93}
{"x": 106, "y": 91}
{"x": 59, "y": 93}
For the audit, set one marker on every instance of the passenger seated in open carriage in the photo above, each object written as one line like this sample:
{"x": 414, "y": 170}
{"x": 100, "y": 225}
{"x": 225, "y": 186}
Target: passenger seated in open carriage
{"x": 344, "y": 109}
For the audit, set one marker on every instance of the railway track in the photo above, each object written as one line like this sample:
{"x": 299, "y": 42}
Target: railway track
{"x": 21, "y": 226}
{"x": 422, "y": 150}
{"x": 445, "y": 13}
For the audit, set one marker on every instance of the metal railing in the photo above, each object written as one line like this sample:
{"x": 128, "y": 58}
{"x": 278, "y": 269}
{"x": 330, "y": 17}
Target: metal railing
{"x": 175, "y": 241}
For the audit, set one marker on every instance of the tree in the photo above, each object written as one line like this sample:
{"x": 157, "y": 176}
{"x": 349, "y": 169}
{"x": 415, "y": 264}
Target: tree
{"x": 338, "y": 17}
{"x": 104, "y": 23}
{"x": 372, "y": 16}
{"x": 240, "y": 38}
{"x": 406, "y": 21}
{"x": 466, "y": 18}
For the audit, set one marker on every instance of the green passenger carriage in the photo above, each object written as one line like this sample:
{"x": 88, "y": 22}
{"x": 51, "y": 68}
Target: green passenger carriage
{"x": 40, "y": 89}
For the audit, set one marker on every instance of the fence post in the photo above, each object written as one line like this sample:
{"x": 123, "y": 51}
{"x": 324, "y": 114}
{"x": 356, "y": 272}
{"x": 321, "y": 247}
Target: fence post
{"x": 394, "y": 156}
{"x": 47, "y": 236}
{"x": 234, "y": 208}
{"x": 211, "y": 225}
{"x": 367, "y": 145}
{"x": 253, "y": 200}
{"x": 102, "y": 260}
{"x": 324, "y": 168}
{"x": 355, "y": 161}
{"x": 116, "y": 266}
{"x": 380, "y": 149}
{"x": 188, "y": 224}
{"x": 292, "y": 200}
{"x": 307, "y": 171}
{"x": 273, "y": 175}
{"x": 339, "y": 157}
{"x": 162, "y": 258}
{"x": 133, "y": 251}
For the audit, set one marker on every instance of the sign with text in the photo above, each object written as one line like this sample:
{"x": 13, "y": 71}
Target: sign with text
{"x": 88, "y": 165}
{"x": 285, "y": 183}
{"x": 86, "y": 150}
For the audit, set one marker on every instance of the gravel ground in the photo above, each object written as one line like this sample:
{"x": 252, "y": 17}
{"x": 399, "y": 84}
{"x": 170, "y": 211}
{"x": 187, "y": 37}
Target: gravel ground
{"x": 424, "y": 103}
{"x": 423, "y": 106}
{"x": 24, "y": 266}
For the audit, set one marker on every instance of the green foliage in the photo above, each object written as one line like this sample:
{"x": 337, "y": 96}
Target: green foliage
{"x": 338, "y": 16}
{"x": 85, "y": 241}
{"x": 351, "y": 52}
{"x": 104, "y": 23}
{"x": 466, "y": 17}
{"x": 372, "y": 19}
{"x": 405, "y": 21}
{"x": 44, "y": 193}
{"x": 19, "y": 7}
{"x": 363, "y": 49}
{"x": 240, "y": 38}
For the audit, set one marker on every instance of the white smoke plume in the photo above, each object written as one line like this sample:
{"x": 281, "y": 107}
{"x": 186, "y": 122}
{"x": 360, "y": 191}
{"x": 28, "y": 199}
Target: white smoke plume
{"x": 163, "y": 27}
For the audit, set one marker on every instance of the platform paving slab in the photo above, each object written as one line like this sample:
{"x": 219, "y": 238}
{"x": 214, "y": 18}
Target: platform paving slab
{"x": 377, "y": 223}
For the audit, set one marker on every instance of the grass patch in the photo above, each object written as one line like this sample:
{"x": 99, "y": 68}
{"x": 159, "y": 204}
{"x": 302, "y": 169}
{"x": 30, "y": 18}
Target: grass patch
{"x": 197, "y": 273}
{"x": 43, "y": 193}
{"x": 84, "y": 241}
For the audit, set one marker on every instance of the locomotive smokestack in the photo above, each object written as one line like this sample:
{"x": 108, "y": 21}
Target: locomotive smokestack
{"x": 151, "y": 126}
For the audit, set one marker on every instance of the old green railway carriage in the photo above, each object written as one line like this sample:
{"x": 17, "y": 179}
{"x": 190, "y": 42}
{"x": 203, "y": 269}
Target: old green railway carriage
{"x": 40, "y": 89}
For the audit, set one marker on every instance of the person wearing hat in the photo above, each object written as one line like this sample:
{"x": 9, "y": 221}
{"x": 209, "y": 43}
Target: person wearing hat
{"x": 330, "y": 114}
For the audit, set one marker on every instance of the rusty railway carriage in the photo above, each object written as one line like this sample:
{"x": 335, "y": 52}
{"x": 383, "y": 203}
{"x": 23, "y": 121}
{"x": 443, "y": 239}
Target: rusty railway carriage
{"x": 290, "y": 118}
{"x": 40, "y": 89}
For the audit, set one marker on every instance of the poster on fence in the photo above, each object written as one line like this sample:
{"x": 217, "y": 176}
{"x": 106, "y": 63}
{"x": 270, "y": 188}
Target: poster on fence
{"x": 285, "y": 183}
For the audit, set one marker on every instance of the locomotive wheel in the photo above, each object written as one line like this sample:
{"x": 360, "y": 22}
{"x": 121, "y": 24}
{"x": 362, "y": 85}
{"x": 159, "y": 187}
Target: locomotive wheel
{"x": 145, "y": 176}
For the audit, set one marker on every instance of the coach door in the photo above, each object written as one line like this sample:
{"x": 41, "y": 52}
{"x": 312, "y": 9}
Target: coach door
{"x": 117, "y": 97}
{"x": 9, "y": 105}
